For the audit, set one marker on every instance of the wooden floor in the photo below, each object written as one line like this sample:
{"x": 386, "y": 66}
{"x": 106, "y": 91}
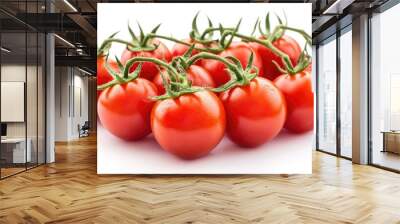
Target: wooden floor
{"x": 69, "y": 191}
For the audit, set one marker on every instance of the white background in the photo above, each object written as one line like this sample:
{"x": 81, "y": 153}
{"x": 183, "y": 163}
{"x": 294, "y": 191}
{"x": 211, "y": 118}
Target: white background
{"x": 176, "y": 19}
{"x": 287, "y": 153}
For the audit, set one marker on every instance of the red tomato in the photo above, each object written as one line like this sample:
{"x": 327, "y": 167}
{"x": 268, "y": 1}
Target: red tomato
{"x": 241, "y": 51}
{"x": 189, "y": 126}
{"x": 102, "y": 74}
{"x": 124, "y": 109}
{"x": 149, "y": 69}
{"x": 299, "y": 99}
{"x": 198, "y": 75}
{"x": 287, "y": 45}
{"x": 180, "y": 49}
{"x": 255, "y": 113}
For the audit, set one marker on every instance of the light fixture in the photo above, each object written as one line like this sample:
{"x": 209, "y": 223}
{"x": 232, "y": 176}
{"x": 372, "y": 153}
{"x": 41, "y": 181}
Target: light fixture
{"x": 70, "y": 5}
{"x": 5, "y": 50}
{"x": 337, "y": 7}
{"x": 64, "y": 40}
{"x": 84, "y": 71}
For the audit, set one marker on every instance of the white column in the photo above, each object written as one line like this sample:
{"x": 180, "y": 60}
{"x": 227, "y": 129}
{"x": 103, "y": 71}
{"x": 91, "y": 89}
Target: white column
{"x": 360, "y": 90}
{"x": 50, "y": 92}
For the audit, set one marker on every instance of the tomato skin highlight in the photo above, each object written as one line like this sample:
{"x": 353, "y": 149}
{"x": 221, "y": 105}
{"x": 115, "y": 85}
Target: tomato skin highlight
{"x": 287, "y": 45}
{"x": 124, "y": 109}
{"x": 297, "y": 89}
{"x": 149, "y": 69}
{"x": 189, "y": 126}
{"x": 255, "y": 113}
{"x": 241, "y": 51}
{"x": 198, "y": 75}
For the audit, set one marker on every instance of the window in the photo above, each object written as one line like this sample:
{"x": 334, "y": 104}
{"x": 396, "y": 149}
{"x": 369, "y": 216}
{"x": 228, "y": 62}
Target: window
{"x": 385, "y": 89}
{"x": 346, "y": 92}
{"x": 327, "y": 95}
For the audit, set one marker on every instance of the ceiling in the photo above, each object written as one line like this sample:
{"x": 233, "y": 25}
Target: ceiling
{"x": 75, "y": 20}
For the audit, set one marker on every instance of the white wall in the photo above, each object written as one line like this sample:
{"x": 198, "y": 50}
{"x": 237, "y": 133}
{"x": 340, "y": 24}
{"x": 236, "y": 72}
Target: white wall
{"x": 70, "y": 83}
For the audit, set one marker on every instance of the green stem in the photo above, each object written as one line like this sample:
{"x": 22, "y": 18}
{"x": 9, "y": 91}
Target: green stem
{"x": 301, "y": 32}
{"x": 212, "y": 50}
{"x": 156, "y": 61}
{"x": 266, "y": 43}
{"x": 205, "y": 55}
{"x": 108, "y": 84}
{"x": 110, "y": 40}
{"x": 212, "y": 29}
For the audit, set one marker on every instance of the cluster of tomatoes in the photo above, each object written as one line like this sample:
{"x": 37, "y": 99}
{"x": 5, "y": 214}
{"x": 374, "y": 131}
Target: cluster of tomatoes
{"x": 190, "y": 96}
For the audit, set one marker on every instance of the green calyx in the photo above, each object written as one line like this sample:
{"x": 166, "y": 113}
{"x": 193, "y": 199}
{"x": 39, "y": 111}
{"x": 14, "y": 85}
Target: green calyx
{"x": 225, "y": 42}
{"x": 303, "y": 62}
{"x": 176, "y": 83}
{"x": 143, "y": 42}
{"x": 206, "y": 36}
{"x": 275, "y": 34}
{"x": 138, "y": 43}
{"x": 239, "y": 76}
{"x": 118, "y": 77}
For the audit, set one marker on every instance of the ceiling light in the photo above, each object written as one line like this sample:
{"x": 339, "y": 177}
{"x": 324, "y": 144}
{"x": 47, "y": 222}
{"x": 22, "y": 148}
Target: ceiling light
{"x": 84, "y": 71}
{"x": 338, "y": 6}
{"x": 70, "y": 5}
{"x": 5, "y": 50}
{"x": 64, "y": 40}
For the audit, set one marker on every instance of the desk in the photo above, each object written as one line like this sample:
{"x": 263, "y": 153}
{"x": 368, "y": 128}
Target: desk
{"x": 15, "y": 148}
{"x": 391, "y": 141}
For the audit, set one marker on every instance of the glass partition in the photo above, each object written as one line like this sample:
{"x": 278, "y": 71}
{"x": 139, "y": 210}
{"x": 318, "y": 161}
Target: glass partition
{"x": 14, "y": 145}
{"x": 22, "y": 77}
{"x": 327, "y": 95}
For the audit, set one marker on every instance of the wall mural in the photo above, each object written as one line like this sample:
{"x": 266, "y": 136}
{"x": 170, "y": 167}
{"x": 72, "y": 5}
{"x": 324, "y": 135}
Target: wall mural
{"x": 204, "y": 89}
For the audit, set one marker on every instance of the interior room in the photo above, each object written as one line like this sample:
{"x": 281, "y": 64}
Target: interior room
{"x": 49, "y": 154}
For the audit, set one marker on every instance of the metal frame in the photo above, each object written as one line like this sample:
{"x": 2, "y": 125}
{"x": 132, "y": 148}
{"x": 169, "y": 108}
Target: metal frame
{"x": 338, "y": 152}
{"x": 316, "y": 96}
{"x": 317, "y": 101}
{"x": 338, "y": 98}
